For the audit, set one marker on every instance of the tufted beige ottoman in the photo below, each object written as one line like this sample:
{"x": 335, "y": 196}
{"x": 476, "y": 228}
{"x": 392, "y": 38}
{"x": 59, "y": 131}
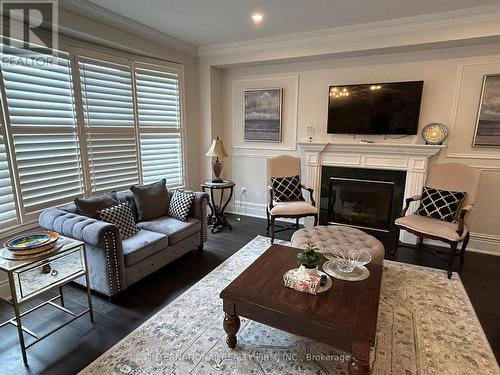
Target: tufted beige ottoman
{"x": 324, "y": 236}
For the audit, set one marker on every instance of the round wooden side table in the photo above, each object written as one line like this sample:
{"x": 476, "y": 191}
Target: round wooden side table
{"x": 217, "y": 218}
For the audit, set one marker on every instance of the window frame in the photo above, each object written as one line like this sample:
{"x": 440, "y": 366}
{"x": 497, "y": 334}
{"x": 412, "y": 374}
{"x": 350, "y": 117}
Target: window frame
{"x": 76, "y": 49}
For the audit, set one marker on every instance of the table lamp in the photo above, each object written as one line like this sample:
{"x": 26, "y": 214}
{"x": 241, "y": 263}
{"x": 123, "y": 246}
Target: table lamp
{"x": 217, "y": 150}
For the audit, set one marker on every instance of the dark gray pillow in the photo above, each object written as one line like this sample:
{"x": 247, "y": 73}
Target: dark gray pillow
{"x": 151, "y": 200}
{"x": 92, "y": 205}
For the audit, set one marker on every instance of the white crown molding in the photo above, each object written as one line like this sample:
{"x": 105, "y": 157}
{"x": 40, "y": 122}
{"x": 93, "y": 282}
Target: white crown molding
{"x": 99, "y": 13}
{"x": 478, "y": 22}
{"x": 358, "y": 148}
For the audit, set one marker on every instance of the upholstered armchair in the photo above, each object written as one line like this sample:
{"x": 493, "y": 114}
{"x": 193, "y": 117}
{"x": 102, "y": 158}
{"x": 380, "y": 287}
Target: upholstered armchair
{"x": 287, "y": 166}
{"x": 449, "y": 177}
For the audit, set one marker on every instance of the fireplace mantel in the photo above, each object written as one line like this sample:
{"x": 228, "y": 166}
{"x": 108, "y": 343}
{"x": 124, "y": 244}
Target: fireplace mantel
{"x": 412, "y": 158}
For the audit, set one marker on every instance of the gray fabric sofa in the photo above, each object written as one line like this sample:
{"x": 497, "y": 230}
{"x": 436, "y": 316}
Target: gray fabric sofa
{"x": 114, "y": 264}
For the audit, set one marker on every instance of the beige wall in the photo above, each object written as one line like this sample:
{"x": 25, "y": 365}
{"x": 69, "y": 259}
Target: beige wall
{"x": 452, "y": 86}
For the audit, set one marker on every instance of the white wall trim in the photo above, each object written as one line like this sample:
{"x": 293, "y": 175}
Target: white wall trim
{"x": 456, "y": 25}
{"x": 479, "y": 243}
{"x": 290, "y": 107}
{"x": 253, "y": 209}
{"x": 94, "y": 11}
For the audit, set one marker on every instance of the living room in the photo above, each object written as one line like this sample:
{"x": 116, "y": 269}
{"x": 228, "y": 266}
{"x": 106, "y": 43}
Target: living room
{"x": 303, "y": 145}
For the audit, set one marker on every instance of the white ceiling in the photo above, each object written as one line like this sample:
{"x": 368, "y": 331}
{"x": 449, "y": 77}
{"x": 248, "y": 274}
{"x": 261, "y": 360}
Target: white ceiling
{"x": 206, "y": 22}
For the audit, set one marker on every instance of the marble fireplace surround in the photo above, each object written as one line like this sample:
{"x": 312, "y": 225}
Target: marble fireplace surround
{"x": 412, "y": 158}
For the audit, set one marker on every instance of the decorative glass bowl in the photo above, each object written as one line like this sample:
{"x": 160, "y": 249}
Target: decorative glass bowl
{"x": 347, "y": 259}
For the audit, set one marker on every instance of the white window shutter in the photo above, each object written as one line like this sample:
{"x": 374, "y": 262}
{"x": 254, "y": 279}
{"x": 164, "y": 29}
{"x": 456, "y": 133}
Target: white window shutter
{"x": 40, "y": 106}
{"x": 108, "y": 111}
{"x": 8, "y": 216}
{"x": 160, "y": 124}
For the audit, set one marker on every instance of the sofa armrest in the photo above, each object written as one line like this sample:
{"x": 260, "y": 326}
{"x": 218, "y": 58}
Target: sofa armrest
{"x": 79, "y": 227}
{"x": 461, "y": 218}
{"x": 199, "y": 211}
{"x": 311, "y": 192}
{"x": 408, "y": 201}
{"x": 103, "y": 237}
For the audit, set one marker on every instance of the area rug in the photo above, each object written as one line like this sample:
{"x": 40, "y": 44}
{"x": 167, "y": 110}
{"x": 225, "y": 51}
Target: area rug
{"x": 426, "y": 325}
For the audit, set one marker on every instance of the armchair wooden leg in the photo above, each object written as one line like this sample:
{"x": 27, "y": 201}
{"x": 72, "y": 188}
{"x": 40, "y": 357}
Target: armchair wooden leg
{"x": 394, "y": 251}
{"x": 462, "y": 250}
{"x": 272, "y": 230}
{"x": 297, "y": 223}
{"x": 268, "y": 221}
{"x": 453, "y": 251}
{"x": 316, "y": 220}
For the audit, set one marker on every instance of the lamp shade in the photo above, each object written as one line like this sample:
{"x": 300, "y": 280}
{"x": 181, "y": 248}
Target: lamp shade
{"x": 217, "y": 149}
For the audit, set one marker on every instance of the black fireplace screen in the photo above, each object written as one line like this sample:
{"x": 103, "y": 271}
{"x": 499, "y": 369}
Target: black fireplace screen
{"x": 362, "y": 203}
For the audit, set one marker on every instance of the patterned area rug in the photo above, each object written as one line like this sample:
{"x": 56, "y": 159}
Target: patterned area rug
{"x": 426, "y": 325}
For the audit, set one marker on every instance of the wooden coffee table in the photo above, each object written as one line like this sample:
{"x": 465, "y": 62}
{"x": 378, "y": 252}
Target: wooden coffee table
{"x": 344, "y": 317}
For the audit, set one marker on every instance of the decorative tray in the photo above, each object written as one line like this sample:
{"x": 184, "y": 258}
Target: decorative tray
{"x": 32, "y": 244}
{"x": 292, "y": 280}
{"x": 359, "y": 273}
{"x": 11, "y": 255}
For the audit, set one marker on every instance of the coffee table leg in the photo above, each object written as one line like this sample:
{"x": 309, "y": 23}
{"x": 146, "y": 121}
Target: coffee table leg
{"x": 231, "y": 327}
{"x": 360, "y": 364}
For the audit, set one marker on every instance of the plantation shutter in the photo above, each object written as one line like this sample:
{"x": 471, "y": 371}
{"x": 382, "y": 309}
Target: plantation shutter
{"x": 40, "y": 107}
{"x": 109, "y": 124}
{"x": 8, "y": 215}
{"x": 159, "y": 120}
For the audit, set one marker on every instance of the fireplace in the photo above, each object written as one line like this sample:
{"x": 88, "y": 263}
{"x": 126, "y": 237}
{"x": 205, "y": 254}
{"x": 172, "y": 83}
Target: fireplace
{"x": 368, "y": 199}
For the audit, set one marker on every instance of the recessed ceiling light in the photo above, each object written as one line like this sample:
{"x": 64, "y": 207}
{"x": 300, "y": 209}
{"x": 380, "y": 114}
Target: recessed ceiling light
{"x": 257, "y": 17}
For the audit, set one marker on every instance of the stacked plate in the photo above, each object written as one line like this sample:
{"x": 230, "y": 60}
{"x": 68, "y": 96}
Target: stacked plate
{"x": 30, "y": 244}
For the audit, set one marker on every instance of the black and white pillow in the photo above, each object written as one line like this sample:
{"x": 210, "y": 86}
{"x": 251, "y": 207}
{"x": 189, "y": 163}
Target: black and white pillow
{"x": 287, "y": 189}
{"x": 440, "y": 204}
{"x": 121, "y": 216}
{"x": 180, "y": 204}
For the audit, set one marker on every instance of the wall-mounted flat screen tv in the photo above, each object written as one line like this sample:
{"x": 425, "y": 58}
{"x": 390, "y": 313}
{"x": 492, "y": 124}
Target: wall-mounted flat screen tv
{"x": 375, "y": 108}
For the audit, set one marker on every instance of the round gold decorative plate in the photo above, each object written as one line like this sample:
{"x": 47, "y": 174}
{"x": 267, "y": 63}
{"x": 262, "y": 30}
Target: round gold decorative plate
{"x": 435, "y": 133}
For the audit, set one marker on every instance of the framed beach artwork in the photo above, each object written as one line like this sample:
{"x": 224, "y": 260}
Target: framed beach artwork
{"x": 488, "y": 117}
{"x": 262, "y": 120}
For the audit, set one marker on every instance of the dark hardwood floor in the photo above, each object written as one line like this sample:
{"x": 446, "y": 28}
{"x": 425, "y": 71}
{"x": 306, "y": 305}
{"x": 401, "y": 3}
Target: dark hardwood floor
{"x": 78, "y": 344}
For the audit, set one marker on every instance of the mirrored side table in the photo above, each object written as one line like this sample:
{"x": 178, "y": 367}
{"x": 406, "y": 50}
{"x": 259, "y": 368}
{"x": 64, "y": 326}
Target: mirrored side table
{"x": 33, "y": 276}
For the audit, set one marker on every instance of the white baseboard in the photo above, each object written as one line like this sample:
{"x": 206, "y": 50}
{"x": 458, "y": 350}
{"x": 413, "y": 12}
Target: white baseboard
{"x": 247, "y": 209}
{"x": 253, "y": 209}
{"x": 479, "y": 242}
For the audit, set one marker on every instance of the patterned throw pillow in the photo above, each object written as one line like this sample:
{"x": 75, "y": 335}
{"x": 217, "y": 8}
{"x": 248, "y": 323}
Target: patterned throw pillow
{"x": 287, "y": 189}
{"x": 440, "y": 204}
{"x": 180, "y": 204}
{"x": 121, "y": 216}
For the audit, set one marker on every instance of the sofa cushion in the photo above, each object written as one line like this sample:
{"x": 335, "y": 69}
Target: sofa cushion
{"x": 91, "y": 206}
{"x": 293, "y": 208}
{"x": 151, "y": 200}
{"x": 432, "y": 227}
{"x": 142, "y": 245}
{"x": 176, "y": 230}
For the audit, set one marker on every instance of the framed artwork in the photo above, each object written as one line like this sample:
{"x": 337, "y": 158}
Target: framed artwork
{"x": 262, "y": 120}
{"x": 488, "y": 117}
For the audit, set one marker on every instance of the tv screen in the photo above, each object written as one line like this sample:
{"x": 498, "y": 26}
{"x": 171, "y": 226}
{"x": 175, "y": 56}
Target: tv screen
{"x": 376, "y": 108}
